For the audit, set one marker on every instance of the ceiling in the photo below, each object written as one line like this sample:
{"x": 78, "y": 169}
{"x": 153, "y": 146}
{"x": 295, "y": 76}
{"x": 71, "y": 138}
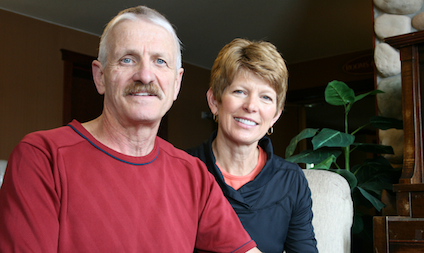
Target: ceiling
{"x": 302, "y": 30}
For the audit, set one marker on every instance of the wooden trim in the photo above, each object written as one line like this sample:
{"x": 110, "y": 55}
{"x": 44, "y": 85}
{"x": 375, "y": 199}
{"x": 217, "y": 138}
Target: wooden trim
{"x": 77, "y": 58}
{"x": 71, "y": 61}
{"x": 380, "y": 234}
{"x": 408, "y": 45}
{"x": 408, "y": 187}
{"x": 67, "y": 92}
{"x": 405, "y": 40}
{"x": 409, "y": 56}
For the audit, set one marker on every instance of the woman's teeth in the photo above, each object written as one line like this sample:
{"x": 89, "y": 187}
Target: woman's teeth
{"x": 245, "y": 121}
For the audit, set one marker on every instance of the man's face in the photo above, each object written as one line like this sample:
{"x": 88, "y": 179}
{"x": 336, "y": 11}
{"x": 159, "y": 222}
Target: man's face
{"x": 140, "y": 80}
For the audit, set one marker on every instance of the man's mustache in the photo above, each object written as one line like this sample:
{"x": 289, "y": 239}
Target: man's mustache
{"x": 138, "y": 87}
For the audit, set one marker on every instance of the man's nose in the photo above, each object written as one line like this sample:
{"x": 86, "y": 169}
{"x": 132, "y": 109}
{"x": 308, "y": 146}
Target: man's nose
{"x": 144, "y": 73}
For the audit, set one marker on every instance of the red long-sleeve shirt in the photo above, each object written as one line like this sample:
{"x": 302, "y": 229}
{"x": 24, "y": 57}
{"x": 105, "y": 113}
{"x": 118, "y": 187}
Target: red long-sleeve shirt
{"x": 64, "y": 191}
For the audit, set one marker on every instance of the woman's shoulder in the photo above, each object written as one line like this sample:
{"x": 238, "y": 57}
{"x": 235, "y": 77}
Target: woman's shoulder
{"x": 203, "y": 150}
{"x": 196, "y": 150}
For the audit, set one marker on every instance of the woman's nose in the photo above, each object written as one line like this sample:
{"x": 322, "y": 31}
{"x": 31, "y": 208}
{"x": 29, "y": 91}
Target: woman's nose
{"x": 251, "y": 104}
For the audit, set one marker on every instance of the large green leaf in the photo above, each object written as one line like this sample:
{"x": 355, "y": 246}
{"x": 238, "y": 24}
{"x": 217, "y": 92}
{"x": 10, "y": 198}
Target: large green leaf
{"x": 378, "y": 162}
{"x": 332, "y": 138}
{"x": 313, "y": 157}
{"x": 377, "y": 186}
{"x": 349, "y": 176}
{"x": 358, "y": 222}
{"x": 385, "y": 123}
{"x": 326, "y": 164}
{"x": 338, "y": 93}
{"x": 374, "y": 201}
{"x": 306, "y": 133}
{"x": 361, "y": 96}
{"x": 375, "y": 169}
{"x": 374, "y": 148}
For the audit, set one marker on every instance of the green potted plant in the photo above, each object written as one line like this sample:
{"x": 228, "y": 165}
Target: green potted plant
{"x": 368, "y": 179}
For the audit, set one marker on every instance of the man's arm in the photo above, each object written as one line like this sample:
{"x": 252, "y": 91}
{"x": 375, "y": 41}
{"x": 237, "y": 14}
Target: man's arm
{"x": 254, "y": 250}
{"x": 219, "y": 228}
{"x": 28, "y": 203}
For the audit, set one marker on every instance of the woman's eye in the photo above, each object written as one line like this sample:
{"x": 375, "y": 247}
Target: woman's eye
{"x": 268, "y": 98}
{"x": 238, "y": 91}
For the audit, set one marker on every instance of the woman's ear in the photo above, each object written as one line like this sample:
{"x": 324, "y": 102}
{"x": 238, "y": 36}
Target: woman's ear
{"x": 213, "y": 104}
{"x": 277, "y": 116}
{"x": 97, "y": 69}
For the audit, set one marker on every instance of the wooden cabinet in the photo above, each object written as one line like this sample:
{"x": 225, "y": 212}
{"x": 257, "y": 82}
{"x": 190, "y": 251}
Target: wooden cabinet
{"x": 405, "y": 232}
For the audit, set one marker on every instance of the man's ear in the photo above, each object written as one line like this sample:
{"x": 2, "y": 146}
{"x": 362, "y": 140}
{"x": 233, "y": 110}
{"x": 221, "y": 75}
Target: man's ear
{"x": 213, "y": 104}
{"x": 97, "y": 69}
{"x": 178, "y": 81}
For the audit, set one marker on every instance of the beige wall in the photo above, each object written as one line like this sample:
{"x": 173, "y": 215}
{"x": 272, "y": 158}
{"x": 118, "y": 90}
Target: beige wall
{"x": 186, "y": 128}
{"x": 31, "y": 75}
{"x": 31, "y": 83}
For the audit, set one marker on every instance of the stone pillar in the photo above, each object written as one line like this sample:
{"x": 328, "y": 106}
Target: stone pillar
{"x": 392, "y": 18}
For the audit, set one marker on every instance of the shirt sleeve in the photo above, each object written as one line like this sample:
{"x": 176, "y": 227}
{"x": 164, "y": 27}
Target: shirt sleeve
{"x": 300, "y": 236}
{"x": 220, "y": 229}
{"x": 29, "y": 203}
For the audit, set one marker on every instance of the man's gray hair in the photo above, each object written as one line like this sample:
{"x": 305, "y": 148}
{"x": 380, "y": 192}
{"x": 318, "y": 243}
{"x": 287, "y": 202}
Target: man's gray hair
{"x": 137, "y": 13}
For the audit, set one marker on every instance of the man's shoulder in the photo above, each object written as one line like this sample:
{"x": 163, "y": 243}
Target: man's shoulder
{"x": 60, "y": 136}
{"x": 175, "y": 152}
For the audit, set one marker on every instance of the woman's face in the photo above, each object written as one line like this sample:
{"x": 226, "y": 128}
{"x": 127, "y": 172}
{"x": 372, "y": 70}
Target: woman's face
{"x": 247, "y": 110}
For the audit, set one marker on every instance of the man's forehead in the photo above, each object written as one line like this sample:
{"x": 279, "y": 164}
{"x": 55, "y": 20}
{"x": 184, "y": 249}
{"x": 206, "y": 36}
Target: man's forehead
{"x": 141, "y": 31}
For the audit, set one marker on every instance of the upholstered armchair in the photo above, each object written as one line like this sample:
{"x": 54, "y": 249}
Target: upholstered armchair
{"x": 332, "y": 207}
{"x": 2, "y": 170}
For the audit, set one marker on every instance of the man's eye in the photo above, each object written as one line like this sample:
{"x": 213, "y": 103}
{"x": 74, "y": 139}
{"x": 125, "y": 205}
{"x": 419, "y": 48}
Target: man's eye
{"x": 126, "y": 60}
{"x": 160, "y": 61}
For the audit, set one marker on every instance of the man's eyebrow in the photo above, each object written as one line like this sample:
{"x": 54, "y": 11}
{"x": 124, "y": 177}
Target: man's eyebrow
{"x": 161, "y": 54}
{"x": 167, "y": 56}
{"x": 130, "y": 52}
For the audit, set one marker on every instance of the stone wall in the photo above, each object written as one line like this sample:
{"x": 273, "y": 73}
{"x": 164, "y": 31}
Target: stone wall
{"x": 391, "y": 18}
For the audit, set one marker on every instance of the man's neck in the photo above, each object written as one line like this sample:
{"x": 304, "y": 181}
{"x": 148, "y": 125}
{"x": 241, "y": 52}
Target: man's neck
{"x": 138, "y": 140}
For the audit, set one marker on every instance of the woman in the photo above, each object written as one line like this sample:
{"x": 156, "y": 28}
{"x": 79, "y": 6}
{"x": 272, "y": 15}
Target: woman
{"x": 270, "y": 195}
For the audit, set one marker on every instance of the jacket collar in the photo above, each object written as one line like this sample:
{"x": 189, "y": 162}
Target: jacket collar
{"x": 261, "y": 179}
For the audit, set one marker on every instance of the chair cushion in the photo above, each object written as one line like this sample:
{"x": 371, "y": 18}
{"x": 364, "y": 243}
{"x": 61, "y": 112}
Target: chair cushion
{"x": 332, "y": 208}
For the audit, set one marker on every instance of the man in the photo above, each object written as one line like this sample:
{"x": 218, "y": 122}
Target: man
{"x": 111, "y": 185}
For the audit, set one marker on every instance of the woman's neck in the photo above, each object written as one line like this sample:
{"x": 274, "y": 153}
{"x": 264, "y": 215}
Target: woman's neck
{"x": 238, "y": 160}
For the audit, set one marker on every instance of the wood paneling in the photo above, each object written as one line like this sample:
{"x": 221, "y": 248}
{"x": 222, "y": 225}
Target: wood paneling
{"x": 405, "y": 232}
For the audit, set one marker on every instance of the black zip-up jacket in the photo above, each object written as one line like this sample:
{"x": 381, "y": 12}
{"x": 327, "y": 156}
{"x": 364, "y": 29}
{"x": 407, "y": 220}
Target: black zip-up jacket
{"x": 274, "y": 208}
